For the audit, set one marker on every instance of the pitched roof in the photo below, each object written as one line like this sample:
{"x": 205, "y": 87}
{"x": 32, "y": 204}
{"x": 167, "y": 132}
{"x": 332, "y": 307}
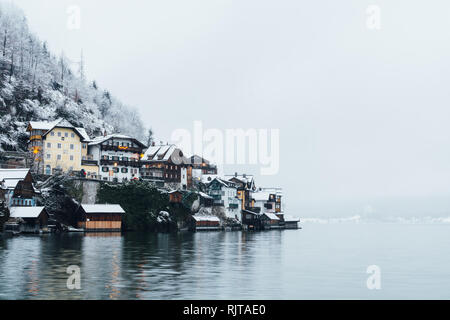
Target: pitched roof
{"x": 98, "y": 140}
{"x": 206, "y": 218}
{"x": 43, "y": 125}
{"x": 13, "y": 176}
{"x": 271, "y": 216}
{"x": 261, "y": 196}
{"x": 102, "y": 208}
{"x": 243, "y": 178}
{"x": 84, "y": 134}
{"x": 223, "y": 182}
{"x": 164, "y": 154}
{"x": 26, "y": 212}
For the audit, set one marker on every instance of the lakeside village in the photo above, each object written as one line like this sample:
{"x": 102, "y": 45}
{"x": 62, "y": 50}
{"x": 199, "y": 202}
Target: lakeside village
{"x": 68, "y": 181}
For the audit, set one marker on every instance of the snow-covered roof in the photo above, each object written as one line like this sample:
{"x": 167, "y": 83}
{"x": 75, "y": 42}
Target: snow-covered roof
{"x": 271, "y": 216}
{"x": 243, "y": 178}
{"x": 261, "y": 196}
{"x": 102, "y": 208}
{"x": 223, "y": 182}
{"x": 43, "y": 125}
{"x": 277, "y": 191}
{"x": 13, "y": 176}
{"x": 207, "y": 178}
{"x": 26, "y": 212}
{"x": 204, "y": 195}
{"x": 206, "y": 218}
{"x": 83, "y": 134}
{"x": 163, "y": 153}
{"x": 98, "y": 140}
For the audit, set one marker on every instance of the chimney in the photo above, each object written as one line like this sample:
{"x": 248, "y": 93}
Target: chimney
{"x": 153, "y": 143}
{"x": 104, "y": 133}
{"x": 244, "y": 175}
{"x": 235, "y": 174}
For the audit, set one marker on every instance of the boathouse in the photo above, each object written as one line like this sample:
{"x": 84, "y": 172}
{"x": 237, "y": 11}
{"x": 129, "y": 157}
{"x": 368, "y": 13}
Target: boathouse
{"x": 205, "y": 223}
{"x": 270, "y": 221}
{"x": 27, "y": 219}
{"x": 291, "y": 222}
{"x": 100, "y": 217}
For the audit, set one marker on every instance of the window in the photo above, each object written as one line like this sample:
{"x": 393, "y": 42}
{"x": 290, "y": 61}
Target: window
{"x": 49, "y": 145}
{"x": 84, "y": 145}
{"x": 105, "y": 169}
{"x": 71, "y": 158}
{"x": 59, "y": 145}
{"x": 73, "y": 135}
{"x": 59, "y": 157}
{"x": 116, "y": 170}
{"x": 66, "y": 134}
{"x": 72, "y": 147}
{"x": 49, "y": 156}
{"x": 124, "y": 170}
{"x": 52, "y": 134}
{"x": 59, "y": 134}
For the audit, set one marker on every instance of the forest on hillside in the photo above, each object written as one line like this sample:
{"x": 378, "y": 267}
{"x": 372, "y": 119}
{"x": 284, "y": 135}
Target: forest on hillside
{"x": 37, "y": 85}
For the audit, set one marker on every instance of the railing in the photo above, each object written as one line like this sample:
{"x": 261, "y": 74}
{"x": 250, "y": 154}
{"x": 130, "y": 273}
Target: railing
{"x": 121, "y": 163}
{"x": 121, "y": 149}
{"x": 89, "y": 162}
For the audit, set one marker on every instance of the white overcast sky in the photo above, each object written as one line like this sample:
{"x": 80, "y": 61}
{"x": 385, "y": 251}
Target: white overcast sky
{"x": 364, "y": 115}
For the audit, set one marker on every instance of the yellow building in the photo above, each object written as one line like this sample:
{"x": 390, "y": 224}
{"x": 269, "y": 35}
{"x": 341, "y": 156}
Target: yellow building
{"x": 59, "y": 147}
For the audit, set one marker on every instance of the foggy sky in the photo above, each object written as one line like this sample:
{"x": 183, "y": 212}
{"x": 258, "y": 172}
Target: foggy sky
{"x": 363, "y": 114}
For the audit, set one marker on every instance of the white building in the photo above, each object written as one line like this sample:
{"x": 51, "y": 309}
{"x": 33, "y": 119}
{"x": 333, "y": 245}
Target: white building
{"x": 117, "y": 157}
{"x": 225, "y": 195}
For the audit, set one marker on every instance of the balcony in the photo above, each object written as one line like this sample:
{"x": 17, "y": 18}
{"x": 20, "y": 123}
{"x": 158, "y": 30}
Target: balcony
{"x": 89, "y": 162}
{"x": 120, "y": 163}
{"x": 121, "y": 149}
{"x": 218, "y": 203}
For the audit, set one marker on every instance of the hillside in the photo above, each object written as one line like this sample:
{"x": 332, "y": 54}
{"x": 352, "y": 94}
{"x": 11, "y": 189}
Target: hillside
{"x": 38, "y": 85}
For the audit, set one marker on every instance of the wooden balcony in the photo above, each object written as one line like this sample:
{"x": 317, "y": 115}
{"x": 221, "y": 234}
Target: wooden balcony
{"x": 121, "y": 149}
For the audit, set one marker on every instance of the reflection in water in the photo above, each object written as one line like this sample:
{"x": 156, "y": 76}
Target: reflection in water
{"x": 316, "y": 262}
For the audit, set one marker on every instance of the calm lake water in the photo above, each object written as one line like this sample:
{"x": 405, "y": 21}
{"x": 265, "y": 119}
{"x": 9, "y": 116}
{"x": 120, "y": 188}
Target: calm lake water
{"x": 321, "y": 261}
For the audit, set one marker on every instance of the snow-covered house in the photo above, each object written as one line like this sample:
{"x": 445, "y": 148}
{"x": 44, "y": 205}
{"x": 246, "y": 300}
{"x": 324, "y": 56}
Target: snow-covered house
{"x": 246, "y": 186}
{"x": 201, "y": 167}
{"x": 27, "y": 219}
{"x": 225, "y": 195}
{"x": 100, "y": 217}
{"x": 117, "y": 156}
{"x": 166, "y": 165}
{"x": 57, "y": 146}
{"x": 17, "y": 188}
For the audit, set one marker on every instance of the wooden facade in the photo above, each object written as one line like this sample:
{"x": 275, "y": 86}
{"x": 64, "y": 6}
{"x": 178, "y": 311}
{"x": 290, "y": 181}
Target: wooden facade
{"x": 100, "y": 218}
